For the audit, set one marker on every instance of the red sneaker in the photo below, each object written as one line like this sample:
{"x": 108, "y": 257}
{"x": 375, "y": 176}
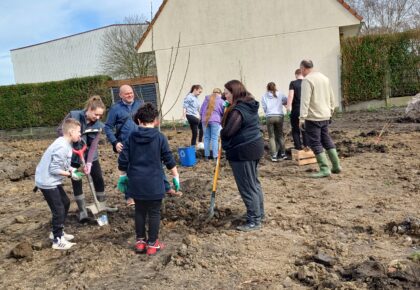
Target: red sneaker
{"x": 153, "y": 249}
{"x": 140, "y": 246}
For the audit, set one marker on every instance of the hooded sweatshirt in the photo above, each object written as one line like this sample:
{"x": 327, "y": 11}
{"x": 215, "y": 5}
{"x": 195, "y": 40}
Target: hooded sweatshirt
{"x": 273, "y": 106}
{"x": 142, "y": 158}
{"x": 55, "y": 159}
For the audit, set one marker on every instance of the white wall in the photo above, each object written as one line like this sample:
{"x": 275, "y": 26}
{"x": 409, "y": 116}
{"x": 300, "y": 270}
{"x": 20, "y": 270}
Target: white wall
{"x": 260, "y": 41}
{"x": 73, "y": 56}
{"x": 254, "y": 62}
{"x": 65, "y": 58}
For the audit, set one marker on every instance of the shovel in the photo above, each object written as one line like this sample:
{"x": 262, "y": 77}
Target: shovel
{"x": 210, "y": 212}
{"x": 98, "y": 210}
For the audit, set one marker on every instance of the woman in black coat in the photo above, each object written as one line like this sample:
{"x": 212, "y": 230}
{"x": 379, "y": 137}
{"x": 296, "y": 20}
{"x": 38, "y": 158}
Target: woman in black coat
{"x": 244, "y": 146}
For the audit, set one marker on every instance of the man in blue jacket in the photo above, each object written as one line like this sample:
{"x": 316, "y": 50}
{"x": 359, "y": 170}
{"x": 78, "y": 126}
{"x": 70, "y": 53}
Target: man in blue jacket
{"x": 120, "y": 118}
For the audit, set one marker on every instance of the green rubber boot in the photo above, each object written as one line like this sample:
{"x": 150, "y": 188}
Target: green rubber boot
{"x": 332, "y": 153}
{"x": 324, "y": 170}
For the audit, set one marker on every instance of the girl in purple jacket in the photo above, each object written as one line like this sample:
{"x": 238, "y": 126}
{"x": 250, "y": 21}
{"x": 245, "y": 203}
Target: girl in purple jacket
{"x": 211, "y": 117}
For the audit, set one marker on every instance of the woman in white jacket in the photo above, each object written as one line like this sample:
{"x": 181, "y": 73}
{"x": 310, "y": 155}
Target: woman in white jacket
{"x": 272, "y": 103}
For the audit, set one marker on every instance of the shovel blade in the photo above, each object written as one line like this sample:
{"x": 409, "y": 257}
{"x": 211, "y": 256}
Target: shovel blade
{"x": 93, "y": 209}
{"x": 210, "y": 213}
{"x": 102, "y": 219}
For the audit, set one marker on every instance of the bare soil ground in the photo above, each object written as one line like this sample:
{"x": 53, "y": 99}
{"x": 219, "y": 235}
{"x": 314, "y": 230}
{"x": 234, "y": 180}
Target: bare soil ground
{"x": 355, "y": 230}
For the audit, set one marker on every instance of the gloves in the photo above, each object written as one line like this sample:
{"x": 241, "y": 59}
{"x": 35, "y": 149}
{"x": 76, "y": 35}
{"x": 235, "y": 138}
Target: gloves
{"x": 76, "y": 174}
{"x": 175, "y": 181}
{"x": 226, "y": 104}
{"x": 87, "y": 168}
{"x": 122, "y": 183}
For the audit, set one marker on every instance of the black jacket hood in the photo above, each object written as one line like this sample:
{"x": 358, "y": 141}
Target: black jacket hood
{"x": 144, "y": 135}
{"x": 251, "y": 106}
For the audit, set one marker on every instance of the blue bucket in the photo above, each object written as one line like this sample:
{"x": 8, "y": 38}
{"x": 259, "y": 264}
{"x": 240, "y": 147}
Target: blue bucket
{"x": 187, "y": 156}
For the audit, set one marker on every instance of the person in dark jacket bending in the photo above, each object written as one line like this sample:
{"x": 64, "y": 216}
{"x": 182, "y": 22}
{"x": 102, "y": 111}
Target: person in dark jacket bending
{"x": 243, "y": 143}
{"x": 142, "y": 177}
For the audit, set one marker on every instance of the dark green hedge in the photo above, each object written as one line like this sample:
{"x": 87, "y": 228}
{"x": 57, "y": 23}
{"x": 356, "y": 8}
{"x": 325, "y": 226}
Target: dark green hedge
{"x": 46, "y": 104}
{"x": 373, "y": 65}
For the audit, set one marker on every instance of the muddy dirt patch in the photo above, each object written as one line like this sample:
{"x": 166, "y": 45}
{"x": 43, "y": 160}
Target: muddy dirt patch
{"x": 332, "y": 233}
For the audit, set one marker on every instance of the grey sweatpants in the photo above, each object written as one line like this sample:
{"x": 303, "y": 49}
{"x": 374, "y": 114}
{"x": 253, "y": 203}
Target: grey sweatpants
{"x": 246, "y": 177}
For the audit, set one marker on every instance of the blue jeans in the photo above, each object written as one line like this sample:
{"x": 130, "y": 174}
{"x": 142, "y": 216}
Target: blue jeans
{"x": 211, "y": 136}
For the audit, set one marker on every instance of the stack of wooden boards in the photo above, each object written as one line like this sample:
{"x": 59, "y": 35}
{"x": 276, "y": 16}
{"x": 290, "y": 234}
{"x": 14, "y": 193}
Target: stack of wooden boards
{"x": 303, "y": 157}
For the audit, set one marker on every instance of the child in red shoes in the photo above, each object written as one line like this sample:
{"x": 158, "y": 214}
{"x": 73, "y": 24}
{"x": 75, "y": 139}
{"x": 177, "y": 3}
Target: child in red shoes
{"x": 141, "y": 177}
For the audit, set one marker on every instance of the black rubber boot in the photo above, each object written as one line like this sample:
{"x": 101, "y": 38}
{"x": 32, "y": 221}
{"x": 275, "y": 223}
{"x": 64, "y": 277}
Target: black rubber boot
{"x": 81, "y": 204}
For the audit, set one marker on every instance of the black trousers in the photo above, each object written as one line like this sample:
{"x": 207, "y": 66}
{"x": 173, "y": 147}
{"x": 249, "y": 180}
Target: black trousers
{"x": 59, "y": 205}
{"x": 98, "y": 180}
{"x": 297, "y": 133}
{"x": 196, "y": 127}
{"x": 200, "y": 132}
{"x": 318, "y": 136}
{"x": 147, "y": 209}
{"x": 246, "y": 177}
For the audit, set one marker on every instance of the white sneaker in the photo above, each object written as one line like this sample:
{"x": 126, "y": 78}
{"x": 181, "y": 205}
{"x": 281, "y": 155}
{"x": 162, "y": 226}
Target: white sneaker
{"x": 62, "y": 244}
{"x": 200, "y": 146}
{"x": 68, "y": 237}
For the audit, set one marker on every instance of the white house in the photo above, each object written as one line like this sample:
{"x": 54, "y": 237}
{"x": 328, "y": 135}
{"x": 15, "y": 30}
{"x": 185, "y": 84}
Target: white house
{"x": 77, "y": 55}
{"x": 210, "y": 42}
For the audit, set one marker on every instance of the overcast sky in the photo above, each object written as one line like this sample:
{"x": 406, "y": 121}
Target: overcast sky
{"x": 26, "y": 22}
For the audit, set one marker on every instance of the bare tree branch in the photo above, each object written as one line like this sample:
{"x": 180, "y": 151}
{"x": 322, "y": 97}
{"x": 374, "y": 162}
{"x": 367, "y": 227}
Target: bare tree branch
{"x": 182, "y": 85}
{"x": 387, "y": 16}
{"x": 120, "y": 59}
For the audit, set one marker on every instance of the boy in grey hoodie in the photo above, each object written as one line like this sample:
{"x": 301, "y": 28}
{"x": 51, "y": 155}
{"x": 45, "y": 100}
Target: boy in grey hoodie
{"x": 49, "y": 174}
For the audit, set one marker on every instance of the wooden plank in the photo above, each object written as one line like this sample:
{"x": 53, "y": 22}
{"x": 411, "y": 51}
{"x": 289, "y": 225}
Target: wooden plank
{"x": 302, "y": 157}
{"x": 306, "y": 161}
{"x": 302, "y": 154}
{"x": 294, "y": 154}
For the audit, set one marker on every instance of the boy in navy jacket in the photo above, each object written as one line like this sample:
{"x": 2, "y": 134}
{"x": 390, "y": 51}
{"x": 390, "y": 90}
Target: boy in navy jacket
{"x": 140, "y": 163}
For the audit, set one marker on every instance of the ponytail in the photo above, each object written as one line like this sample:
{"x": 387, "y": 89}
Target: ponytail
{"x": 94, "y": 103}
{"x": 211, "y": 104}
{"x": 271, "y": 87}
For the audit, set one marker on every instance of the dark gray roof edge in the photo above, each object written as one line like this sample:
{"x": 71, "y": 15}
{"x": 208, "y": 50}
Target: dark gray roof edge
{"x": 68, "y": 36}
